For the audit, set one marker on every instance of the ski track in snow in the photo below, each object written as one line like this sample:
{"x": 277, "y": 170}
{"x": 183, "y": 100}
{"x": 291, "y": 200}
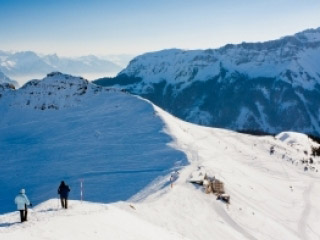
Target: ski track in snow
{"x": 303, "y": 222}
{"x": 225, "y": 216}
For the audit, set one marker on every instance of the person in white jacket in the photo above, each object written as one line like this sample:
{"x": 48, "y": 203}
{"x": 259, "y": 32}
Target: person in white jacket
{"x": 22, "y": 202}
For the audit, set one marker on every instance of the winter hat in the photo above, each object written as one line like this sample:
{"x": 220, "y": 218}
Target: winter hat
{"x": 22, "y": 191}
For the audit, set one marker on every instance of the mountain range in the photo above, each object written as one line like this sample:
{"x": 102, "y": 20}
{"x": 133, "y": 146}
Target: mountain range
{"x": 28, "y": 65}
{"x": 260, "y": 87}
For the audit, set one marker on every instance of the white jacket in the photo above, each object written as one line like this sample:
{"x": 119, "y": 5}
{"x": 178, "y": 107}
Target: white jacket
{"x": 21, "y": 200}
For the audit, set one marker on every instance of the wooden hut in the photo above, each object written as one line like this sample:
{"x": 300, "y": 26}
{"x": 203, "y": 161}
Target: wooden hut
{"x": 217, "y": 187}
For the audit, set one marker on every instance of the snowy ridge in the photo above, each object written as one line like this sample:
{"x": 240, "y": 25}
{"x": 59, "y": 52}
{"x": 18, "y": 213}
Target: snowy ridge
{"x": 254, "y": 87}
{"x": 56, "y": 91}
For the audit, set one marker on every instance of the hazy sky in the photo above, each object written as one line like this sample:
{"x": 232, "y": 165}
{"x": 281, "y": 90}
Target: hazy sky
{"x": 78, "y": 27}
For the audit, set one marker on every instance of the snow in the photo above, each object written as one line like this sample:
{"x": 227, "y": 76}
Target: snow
{"x": 107, "y": 222}
{"x": 272, "y": 196}
{"x": 198, "y": 176}
{"x": 309, "y": 35}
{"x": 243, "y": 117}
{"x": 297, "y": 140}
{"x": 263, "y": 205}
{"x": 198, "y": 116}
{"x": 263, "y": 117}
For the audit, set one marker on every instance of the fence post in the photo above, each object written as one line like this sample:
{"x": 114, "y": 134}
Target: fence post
{"x": 81, "y": 189}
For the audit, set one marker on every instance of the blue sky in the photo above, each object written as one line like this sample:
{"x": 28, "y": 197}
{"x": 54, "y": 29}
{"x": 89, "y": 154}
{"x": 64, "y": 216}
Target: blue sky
{"x": 78, "y": 27}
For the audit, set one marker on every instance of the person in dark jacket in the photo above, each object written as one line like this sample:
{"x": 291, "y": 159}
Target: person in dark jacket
{"x": 63, "y": 191}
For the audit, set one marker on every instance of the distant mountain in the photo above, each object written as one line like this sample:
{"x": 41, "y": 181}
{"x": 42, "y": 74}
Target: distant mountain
{"x": 120, "y": 59}
{"x": 29, "y": 63}
{"x": 84, "y": 64}
{"x": 4, "y": 79}
{"x": 263, "y": 87}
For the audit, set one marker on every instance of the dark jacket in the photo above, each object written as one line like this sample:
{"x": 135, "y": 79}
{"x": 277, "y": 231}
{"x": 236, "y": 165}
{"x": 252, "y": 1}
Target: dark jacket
{"x": 63, "y": 190}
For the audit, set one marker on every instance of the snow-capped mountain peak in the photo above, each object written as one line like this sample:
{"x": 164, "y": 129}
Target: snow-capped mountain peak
{"x": 55, "y": 91}
{"x": 291, "y": 54}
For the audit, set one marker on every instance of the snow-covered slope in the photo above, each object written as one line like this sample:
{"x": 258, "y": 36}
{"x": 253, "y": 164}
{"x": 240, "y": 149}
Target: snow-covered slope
{"x": 83, "y": 221}
{"x": 27, "y": 65}
{"x": 5, "y": 80}
{"x": 248, "y": 87}
{"x": 64, "y": 127}
{"x": 272, "y": 196}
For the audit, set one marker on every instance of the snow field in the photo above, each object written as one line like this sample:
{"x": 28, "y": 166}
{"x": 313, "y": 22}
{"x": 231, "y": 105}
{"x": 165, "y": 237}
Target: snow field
{"x": 271, "y": 198}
